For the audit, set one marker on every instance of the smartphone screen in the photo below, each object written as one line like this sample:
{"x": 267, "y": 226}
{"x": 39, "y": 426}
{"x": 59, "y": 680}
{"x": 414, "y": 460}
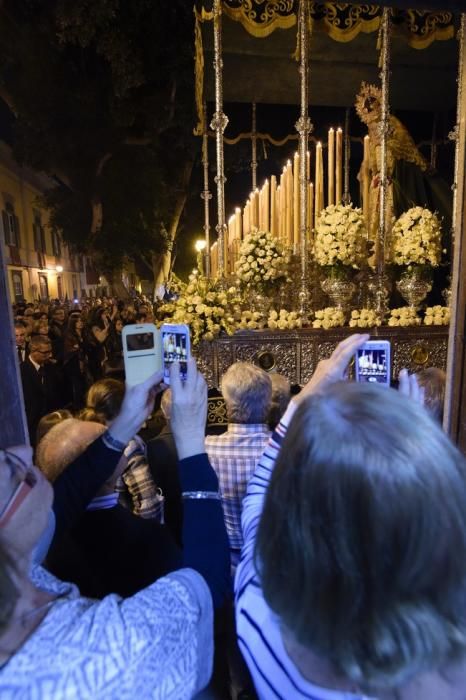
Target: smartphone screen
{"x": 175, "y": 349}
{"x": 139, "y": 341}
{"x": 373, "y": 364}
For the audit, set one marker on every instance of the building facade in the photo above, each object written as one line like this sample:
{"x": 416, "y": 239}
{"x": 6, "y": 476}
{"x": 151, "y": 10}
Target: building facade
{"x": 39, "y": 264}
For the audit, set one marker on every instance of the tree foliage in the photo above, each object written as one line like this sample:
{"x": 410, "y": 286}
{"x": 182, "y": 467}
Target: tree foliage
{"x": 103, "y": 97}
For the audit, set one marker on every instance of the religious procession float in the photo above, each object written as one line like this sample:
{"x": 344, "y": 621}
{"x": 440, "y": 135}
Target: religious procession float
{"x": 304, "y": 261}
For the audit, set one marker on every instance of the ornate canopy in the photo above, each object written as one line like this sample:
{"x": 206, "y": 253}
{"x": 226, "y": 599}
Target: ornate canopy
{"x": 259, "y": 53}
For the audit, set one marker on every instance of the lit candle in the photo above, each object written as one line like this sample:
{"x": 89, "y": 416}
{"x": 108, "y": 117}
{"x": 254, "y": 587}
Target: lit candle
{"x": 245, "y": 219}
{"x": 331, "y": 166}
{"x": 226, "y": 256}
{"x": 261, "y": 209}
{"x": 267, "y": 206}
{"x": 238, "y": 223}
{"x": 273, "y": 205}
{"x": 282, "y": 209}
{"x": 256, "y": 208}
{"x": 319, "y": 184}
{"x": 310, "y": 210}
{"x": 339, "y": 167}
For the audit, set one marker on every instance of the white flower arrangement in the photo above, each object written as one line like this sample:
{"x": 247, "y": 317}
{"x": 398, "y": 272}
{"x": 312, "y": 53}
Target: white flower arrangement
{"x": 417, "y": 238}
{"x": 284, "y": 320}
{"x": 206, "y": 309}
{"x": 251, "y": 320}
{"x": 340, "y": 236}
{"x": 262, "y": 260}
{"x": 364, "y": 318}
{"x": 330, "y": 317}
{"x": 404, "y": 316}
{"x": 437, "y": 316}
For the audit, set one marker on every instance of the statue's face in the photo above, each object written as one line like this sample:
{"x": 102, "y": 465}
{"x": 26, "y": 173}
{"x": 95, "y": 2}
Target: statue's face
{"x": 371, "y": 110}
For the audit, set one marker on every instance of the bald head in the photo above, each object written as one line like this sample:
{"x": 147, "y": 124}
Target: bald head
{"x": 64, "y": 443}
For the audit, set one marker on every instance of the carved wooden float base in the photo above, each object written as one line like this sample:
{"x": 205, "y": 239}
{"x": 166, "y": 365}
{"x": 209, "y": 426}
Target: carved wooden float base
{"x": 296, "y": 353}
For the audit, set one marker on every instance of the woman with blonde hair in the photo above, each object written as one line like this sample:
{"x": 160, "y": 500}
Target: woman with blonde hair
{"x": 137, "y": 488}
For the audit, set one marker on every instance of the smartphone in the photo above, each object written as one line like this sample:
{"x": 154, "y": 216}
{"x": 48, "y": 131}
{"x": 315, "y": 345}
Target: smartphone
{"x": 142, "y": 352}
{"x": 372, "y": 362}
{"x": 176, "y": 348}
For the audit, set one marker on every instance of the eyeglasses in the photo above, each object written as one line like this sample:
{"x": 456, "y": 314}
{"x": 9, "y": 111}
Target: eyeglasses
{"x": 44, "y": 352}
{"x": 27, "y": 482}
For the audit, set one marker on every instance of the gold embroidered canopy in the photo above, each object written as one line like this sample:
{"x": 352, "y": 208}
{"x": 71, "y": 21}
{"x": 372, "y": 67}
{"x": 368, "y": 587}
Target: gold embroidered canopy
{"x": 344, "y": 45}
{"x": 342, "y": 21}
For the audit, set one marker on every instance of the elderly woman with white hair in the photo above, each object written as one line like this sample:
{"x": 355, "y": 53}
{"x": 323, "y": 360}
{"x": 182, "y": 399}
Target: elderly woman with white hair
{"x": 157, "y": 643}
{"x": 352, "y": 581}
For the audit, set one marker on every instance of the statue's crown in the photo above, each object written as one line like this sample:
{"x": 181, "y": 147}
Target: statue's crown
{"x": 366, "y": 92}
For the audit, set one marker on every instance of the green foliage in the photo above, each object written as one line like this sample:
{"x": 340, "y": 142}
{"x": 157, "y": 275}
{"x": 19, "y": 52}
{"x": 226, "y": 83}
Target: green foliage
{"x": 103, "y": 95}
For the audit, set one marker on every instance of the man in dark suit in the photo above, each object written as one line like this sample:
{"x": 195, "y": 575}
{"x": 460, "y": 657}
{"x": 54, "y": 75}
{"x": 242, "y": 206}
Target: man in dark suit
{"x": 41, "y": 383}
{"x": 57, "y": 328}
{"x": 21, "y": 342}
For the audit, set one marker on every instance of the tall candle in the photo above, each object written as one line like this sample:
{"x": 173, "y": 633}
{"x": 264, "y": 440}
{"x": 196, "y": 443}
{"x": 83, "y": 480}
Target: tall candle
{"x": 253, "y": 210}
{"x": 238, "y": 224}
{"x": 273, "y": 205}
{"x": 308, "y": 166}
{"x": 319, "y": 184}
{"x": 331, "y": 166}
{"x": 290, "y": 204}
{"x": 296, "y": 202}
{"x": 282, "y": 199}
{"x": 226, "y": 253}
{"x": 339, "y": 167}
{"x": 245, "y": 219}
{"x": 310, "y": 210}
{"x": 256, "y": 207}
{"x": 267, "y": 221}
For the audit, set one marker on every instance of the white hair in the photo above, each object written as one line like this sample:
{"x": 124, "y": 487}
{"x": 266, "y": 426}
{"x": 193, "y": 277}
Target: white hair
{"x": 247, "y": 391}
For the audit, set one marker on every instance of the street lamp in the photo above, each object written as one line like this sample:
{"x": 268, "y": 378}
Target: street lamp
{"x": 200, "y": 247}
{"x": 59, "y": 268}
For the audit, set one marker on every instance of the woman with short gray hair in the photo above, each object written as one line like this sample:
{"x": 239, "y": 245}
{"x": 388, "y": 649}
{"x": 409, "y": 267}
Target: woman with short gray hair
{"x": 356, "y": 521}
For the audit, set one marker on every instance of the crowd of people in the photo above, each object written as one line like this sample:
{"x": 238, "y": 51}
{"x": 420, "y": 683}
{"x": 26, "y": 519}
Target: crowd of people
{"x": 313, "y": 548}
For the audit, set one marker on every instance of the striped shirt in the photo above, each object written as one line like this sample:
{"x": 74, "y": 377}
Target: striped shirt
{"x": 274, "y": 674}
{"x": 234, "y": 456}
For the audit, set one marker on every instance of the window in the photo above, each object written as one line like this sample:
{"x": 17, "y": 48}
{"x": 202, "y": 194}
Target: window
{"x": 56, "y": 244}
{"x": 43, "y": 288}
{"x": 10, "y": 225}
{"x": 39, "y": 233}
{"x": 17, "y": 281}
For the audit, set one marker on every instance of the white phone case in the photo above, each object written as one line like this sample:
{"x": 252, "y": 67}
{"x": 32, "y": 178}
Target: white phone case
{"x": 142, "y": 351}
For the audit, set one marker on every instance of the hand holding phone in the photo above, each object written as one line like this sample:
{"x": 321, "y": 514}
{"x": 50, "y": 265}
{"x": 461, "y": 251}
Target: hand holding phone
{"x": 176, "y": 348}
{"x": 372, "y": 362}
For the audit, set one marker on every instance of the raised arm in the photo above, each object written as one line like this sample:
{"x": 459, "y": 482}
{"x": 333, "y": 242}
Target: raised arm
{"x": 205, "y": 540}
{"x": 327, "y": 372}
{"x": 80, "y": 481}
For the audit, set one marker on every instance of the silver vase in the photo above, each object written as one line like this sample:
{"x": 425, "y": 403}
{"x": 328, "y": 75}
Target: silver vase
{"x": 413, "y": 287}
{"x": 339, "y": 290}
{"x": 260, "y": 300}
{"x": 378, "y": 294}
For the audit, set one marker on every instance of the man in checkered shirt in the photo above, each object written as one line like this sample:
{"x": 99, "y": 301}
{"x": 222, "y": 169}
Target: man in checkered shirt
{"x": 247, "y": 391}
